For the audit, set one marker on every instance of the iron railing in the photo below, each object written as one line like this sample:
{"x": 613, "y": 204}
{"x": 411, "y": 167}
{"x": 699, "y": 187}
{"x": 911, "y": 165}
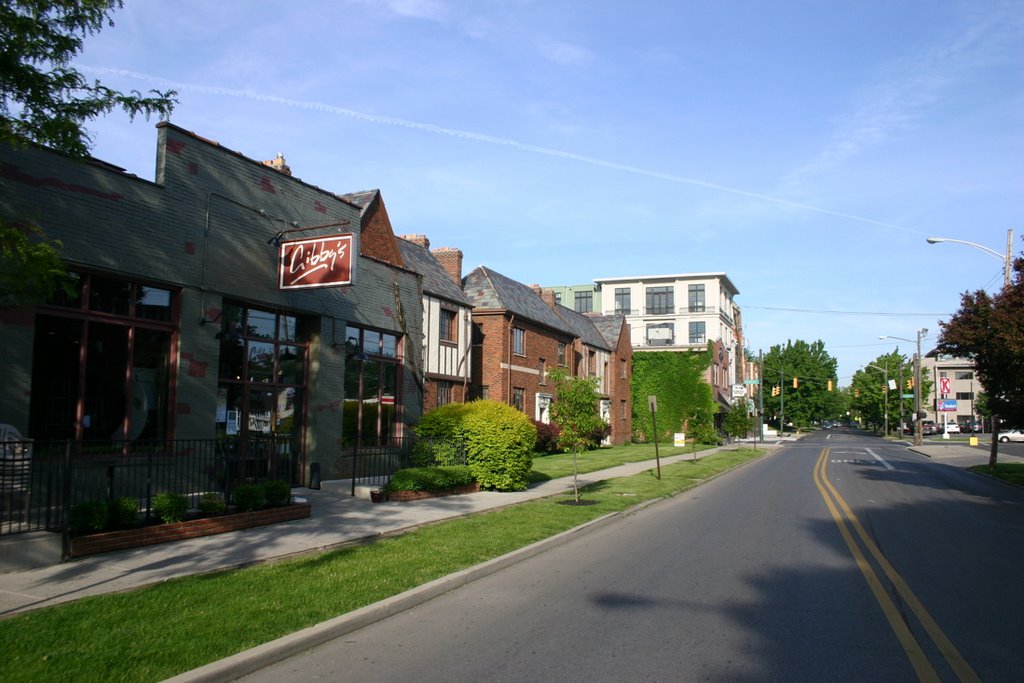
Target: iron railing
{"x": 372, "y": 463}
{"x": 43, "y": 480}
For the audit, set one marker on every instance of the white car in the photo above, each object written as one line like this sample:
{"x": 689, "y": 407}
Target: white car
{"x": 952, "y": 428}
{"x": 1011, "y": 435}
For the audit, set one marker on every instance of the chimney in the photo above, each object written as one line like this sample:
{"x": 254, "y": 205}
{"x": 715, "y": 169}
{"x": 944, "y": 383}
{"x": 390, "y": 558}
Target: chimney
{"x": 418, "y": 240}
{"x": 278, "y": 164}
{"x": 546, "y": 295}
{"x": 450, "y": 259}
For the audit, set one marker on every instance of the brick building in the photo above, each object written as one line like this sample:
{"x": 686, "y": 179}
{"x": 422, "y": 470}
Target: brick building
{"x": 179, "y": 327}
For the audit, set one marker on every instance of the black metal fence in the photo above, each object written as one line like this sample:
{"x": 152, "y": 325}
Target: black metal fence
{"x": 372, "y": 463}
{"x": 42, "y": 481}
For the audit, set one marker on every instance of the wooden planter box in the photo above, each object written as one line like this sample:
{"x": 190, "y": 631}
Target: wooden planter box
{"x": 406, "y": 496}
{"x": 163, "y": 533}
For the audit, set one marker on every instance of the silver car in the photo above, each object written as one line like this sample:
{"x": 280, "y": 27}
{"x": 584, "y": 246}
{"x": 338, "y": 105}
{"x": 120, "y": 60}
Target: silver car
{"x": 1011, "y": 435}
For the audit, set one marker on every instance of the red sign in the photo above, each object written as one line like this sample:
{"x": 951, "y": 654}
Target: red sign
{"x": 315, "y": 262}
{"x": 944, "y": 385}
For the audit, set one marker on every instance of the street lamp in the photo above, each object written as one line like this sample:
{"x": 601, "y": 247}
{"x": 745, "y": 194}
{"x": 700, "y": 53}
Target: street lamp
{"x": 1006, "y": 258}
{"x": 885, "y": 409}
{"x": 918, "y": 440}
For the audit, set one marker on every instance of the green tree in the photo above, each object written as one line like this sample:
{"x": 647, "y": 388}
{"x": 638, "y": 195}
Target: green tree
{"x": 812, "y": 368}
{"x": 989, "y": 330}
{"x": 575, "y": 411}
{"x": 44, "y": 99}
{"x": 737, "y": 423}
{"x": 31, "y": 271}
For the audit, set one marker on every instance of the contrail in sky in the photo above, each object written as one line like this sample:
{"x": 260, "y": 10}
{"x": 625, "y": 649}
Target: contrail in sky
{"x": 480, "y": 137}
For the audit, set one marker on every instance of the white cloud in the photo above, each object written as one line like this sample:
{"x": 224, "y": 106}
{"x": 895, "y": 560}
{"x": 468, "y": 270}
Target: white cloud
{"x": 564, "y": 53}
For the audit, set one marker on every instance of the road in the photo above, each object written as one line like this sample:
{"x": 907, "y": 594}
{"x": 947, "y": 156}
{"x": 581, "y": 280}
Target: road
{"x": 837, "y": 558}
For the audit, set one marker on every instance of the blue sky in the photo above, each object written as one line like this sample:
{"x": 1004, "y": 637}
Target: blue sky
{"x": 806, "y": 148}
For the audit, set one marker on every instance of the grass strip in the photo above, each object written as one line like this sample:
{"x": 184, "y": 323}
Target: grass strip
{"x": 560, "y": 464}
{"x": 1012, "y": 472}
{"x": 164, "y": 629}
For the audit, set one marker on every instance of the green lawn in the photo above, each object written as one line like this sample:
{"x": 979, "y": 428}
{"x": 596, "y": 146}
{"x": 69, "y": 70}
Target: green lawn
{"x": 560, "y": 465}
{"x": 164, "y": 629}
{"x": 1012, "y": 472}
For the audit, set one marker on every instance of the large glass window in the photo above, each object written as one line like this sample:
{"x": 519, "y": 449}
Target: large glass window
{"x": 660, "y": 300}
{"x": 262, "y": 374}
{"x": 697, "y": 332}
{"x": 102, "y": 362}
{"x": 696, "y": 294}
{"x": 372, "y": 376}
{"x": 519, "y": 341}
{"x": 584, "y": 302}
{"x": 622, "y": 301}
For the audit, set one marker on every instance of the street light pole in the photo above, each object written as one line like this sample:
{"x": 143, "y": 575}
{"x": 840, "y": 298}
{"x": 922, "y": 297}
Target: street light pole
{"x": 918, "y": 439}
{"x": 885, "y": 405}
{"x": 1006, "y": 258}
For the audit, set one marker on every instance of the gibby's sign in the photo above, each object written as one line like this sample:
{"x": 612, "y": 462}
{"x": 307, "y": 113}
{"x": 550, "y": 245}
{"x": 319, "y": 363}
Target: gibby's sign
{"x": 316, "y": 262}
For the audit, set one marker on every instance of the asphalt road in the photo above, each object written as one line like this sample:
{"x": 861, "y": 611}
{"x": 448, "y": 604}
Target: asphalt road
{"x": 839, "y": 558}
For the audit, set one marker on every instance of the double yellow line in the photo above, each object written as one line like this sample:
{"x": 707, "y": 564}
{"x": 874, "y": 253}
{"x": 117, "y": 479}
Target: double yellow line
{"x": 845, "y": 519}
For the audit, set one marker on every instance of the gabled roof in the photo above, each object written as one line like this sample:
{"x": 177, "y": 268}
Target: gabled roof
{"x": 487, "y": 289}
{"x": 436, "y": 280}
{"x": 610, "y": 327}
{"x": 584, "y": 328}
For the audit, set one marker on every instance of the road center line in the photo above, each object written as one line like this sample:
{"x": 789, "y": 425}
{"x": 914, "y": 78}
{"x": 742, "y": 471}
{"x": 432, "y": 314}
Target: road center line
{"x": 918, "y": 659}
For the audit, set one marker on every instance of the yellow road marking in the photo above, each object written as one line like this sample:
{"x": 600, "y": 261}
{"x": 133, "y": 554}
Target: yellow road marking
{"x": 923, "y": 668}
{"x": 953, "y": 657}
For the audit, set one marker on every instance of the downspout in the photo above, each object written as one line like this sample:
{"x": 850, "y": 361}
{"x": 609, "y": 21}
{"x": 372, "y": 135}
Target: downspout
{"x": 508, "y": 369}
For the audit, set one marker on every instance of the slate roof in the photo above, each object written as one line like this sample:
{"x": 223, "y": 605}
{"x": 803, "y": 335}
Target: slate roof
{"x": 488, "y": 289}
{"x": 436, "y": 280}
{"x": 584, "y": 328}
{"x": 361, "y": 199}
{"x": 609, "y": 326}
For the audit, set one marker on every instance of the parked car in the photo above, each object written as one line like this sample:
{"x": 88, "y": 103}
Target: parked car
{"x": 928, "y": 427}
{"x": 952, "y": 428}
{"x": 1011, "y": 435}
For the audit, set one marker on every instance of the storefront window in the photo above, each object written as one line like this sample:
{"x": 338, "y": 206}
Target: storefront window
{"x": 372, "y": 373}
{"x": 102, "y": 362}
{"x": 262, "y": 374}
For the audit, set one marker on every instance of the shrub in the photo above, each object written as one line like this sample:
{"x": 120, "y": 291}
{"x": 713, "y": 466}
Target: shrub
{"x": 433, "y": 451}
{"x": 498, "y": 439}
{"x": 277, "y": 492}
{"x": 249, "y": 497}
{"x": 170, "y": 507}
{"x": 499, "y": 445}
{"x": 211, "y": 504}
{"x": 122, "y": 513}
{"x": 88, "y": 517}
{"x": 431, "y": 478}
{"x": 547, "y": 437}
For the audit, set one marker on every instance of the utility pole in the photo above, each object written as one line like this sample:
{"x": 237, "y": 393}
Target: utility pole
{"x": 760, "y": 396}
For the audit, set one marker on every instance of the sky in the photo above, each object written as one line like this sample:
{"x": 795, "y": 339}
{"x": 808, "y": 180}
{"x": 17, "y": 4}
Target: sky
{"x": 806, "y": 148}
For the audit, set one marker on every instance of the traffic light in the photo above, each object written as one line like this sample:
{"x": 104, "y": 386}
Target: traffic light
{"x": 776, "y": 390}
{"x": 856, "y": 392}
{"x": 796, "y": 383}
{"x": 830, "y": 385}
{"x": 910, "y": 383}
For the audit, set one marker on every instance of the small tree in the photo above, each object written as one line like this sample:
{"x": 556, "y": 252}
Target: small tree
{"x": 575, "y": 411}
{"x": 737, "y": 423}
{"x": 30, "y": 271}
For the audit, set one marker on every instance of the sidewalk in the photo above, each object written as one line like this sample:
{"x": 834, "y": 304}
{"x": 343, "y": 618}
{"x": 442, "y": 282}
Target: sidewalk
{"x": 336, "y": 520}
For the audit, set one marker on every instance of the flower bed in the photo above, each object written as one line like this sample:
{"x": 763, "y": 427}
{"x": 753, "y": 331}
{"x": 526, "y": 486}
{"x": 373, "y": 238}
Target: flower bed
{"x": 406, "y": 496}
{"x": 107, "y": 541}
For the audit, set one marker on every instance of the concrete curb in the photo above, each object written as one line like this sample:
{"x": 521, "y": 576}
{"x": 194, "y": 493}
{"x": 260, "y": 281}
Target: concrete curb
{"x": 252, "y": 660}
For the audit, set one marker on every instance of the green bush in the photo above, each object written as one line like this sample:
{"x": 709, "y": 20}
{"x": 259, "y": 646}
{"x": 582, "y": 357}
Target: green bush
{"x": 249, "y": 497}
{"x": 122, "y": 513}
{"x": 430, "y": 452}
{"x": 499, "y": 445}
{"x": 170, "y": 507}
{"x": 499, "y": 440}
{"x": 431, "y": 478}
{"x": 277, "y": 492}
{"x": 88, "y": 517}
{"x": 211, "y": 504}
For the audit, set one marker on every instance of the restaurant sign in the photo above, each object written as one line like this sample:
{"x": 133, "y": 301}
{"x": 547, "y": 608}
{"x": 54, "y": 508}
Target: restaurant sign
{"x": 316, "y": 262}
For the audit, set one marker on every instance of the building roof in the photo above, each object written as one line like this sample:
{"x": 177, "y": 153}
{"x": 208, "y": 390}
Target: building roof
{"x": 436, "y": 280}
{"x": 665, "y": 278}
{"x": 488, "y": 289}
{"x": 584, "y": 328}
{"x": 610, "y": 327}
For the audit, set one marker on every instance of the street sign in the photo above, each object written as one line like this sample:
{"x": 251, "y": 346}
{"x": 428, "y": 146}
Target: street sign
{"x": 652, "y": 403}
{"x": 751, "y": 381}
{"x": 907, "y": 396}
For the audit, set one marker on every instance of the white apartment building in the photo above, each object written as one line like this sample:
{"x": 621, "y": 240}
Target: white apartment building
{"x": 681, "y": 312}
{"x": 955, "y": 387}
